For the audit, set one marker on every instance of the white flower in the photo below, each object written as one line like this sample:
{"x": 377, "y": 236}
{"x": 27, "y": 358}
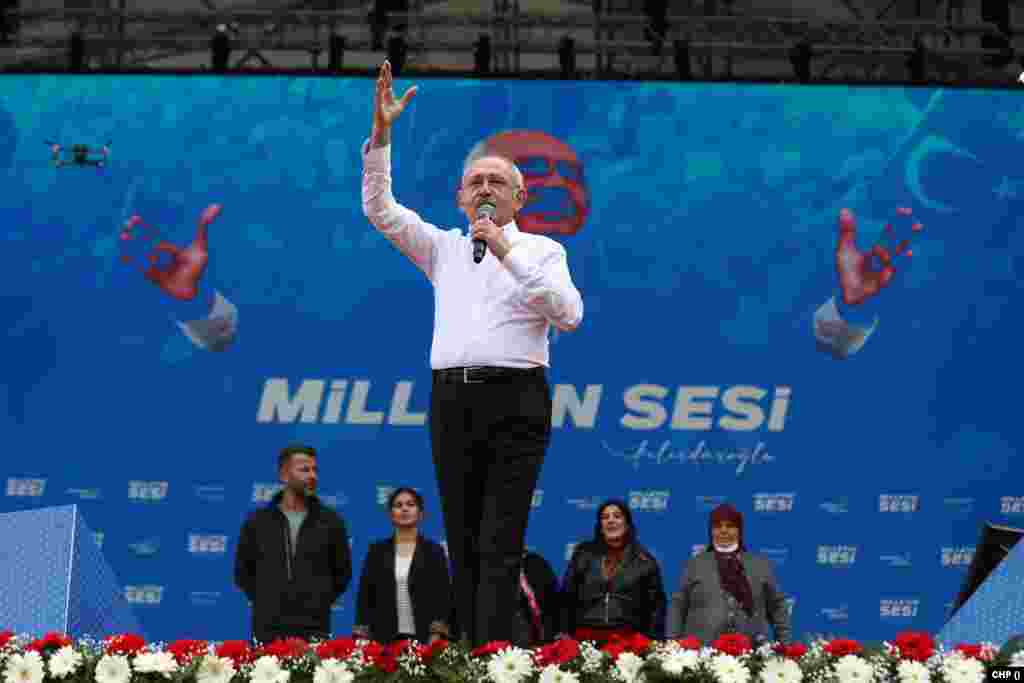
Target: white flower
{"x": 511, "y": 665}
{"x": 778, "y": 670}
{"x": 593, "y": 658}
{"x": 627, "y": 667}
{"x": 960, "y": 669}
{"x": 854, "y": 669}
{"x": 24, "y": 668}
{"x": 680, "y": 660}
{"x": 1017, "y": 658}
{"x": 332, "y": 671}
{"x": 267, "y": 670}
{"x": 156, "y": 663}
{"x": 113, "y": 669}
{"x": 215, "y": 669}
{"x": 64, "y": 662}
{"x": 912, "y": 672}
{"x": 552, "y": 674}
{"x": 728, "y": 669}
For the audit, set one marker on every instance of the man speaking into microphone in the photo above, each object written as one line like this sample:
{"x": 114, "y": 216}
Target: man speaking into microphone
{"x": 497, "y": 291}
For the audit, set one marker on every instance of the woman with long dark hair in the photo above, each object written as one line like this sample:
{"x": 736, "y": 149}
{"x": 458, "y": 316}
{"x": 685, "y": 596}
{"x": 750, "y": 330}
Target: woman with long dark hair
{"x": 613, "y": 584}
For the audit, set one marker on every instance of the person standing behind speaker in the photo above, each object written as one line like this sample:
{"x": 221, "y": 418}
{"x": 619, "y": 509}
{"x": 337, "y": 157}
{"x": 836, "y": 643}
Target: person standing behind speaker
{"x": 404, "y": 589}
{"x": 728, "y": 589}
{"x": 490, "y": 402}
{"x": 539, "y": 598}
{"x": 613, "y": 584}
{"x": 293, "y": 561}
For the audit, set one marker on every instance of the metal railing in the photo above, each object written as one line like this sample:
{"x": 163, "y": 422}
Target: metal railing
{"x": 126, "y": 38}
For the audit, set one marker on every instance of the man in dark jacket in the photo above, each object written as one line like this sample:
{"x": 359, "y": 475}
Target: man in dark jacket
{"x": 293, "y": 560}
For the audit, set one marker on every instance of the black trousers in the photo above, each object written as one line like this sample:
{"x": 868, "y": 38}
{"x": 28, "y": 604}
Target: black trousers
{"x": 488, "y": 441}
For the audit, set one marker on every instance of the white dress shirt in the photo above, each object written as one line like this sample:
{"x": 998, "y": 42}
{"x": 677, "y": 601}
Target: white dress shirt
{"x": 494, "y": 312}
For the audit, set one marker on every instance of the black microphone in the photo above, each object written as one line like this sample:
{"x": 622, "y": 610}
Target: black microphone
{"x": 485, "y": 210}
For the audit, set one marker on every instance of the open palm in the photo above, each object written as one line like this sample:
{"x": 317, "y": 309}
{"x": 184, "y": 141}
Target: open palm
{"x": 386, "y": 107}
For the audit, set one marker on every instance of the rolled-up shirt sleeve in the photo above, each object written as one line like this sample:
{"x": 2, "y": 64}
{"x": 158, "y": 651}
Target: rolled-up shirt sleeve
{"x": 403, "y": 227}
{"x": 545, "y": 284}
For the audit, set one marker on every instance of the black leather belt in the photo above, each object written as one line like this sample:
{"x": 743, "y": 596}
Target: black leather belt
{"x": 480, "y": 374}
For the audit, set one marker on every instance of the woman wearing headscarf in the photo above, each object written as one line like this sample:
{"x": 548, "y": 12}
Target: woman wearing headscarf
{"x": 728, "y": 589}
{"x": 613, "y": 584}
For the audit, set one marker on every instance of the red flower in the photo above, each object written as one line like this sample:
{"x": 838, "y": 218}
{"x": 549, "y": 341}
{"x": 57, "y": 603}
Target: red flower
{"x": 791, "y": 651}
{"x": 565, "y": 650}
{"x": 51, "y": 641}
{"x": 689, "y": 643}
{"x": 638, "y": 644}
{"x": 428, "y": 652}
{"x": 437, "y": 647}
{"x": 5, "y": 637}
{"x": 559, "y": 652}
{"x": 125, "y": 644}
{"x": 386, "y": 662}
{"x": 491, "y": 648}
{"x": 287, "y": 648}
{"x": 915, "y": 646}
{"x": 969, "y": 651}
{"x": 840, "y": 647}
{"x": 372, "y": 650}
{"x": 339, "y": 648}
{"x": 398, "y": 647}
{"x": 238, "y": 651}
{"x": 734, "y": 644}
{"x": 185, "y": 650}
{"x": 615, "y": 646}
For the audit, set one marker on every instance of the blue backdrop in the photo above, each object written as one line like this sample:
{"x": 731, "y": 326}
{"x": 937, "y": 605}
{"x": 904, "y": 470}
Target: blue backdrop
{"x": 709, "y": 232}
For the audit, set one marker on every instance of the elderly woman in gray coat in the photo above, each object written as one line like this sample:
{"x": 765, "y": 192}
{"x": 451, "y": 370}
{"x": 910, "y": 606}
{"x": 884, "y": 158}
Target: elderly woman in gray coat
{"x": 728, "y": 589}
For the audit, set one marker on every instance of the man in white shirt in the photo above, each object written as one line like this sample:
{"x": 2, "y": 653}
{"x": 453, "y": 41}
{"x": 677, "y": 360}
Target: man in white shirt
{"x": 490, "y": 405}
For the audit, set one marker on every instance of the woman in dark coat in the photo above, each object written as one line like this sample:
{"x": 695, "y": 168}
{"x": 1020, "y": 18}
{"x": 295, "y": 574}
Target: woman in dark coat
{"x": 405, "y": 587}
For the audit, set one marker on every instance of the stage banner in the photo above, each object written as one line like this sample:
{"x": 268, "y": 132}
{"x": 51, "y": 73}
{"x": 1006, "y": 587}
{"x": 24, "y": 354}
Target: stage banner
{"x": 805, "y": 301}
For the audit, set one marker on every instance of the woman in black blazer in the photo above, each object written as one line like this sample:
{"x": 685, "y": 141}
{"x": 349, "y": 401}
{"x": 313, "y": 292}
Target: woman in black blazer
{"x": 405, "y": 588}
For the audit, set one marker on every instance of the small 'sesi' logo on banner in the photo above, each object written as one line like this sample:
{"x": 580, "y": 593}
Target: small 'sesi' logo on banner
{"x": 144, "y": 595}
{"x": 207, "y": 544}
{"x": 383, "y": 493}
{"x": 957, "y": 556}
{"x": 263, "y": 492}
{"x": 1008, "y": 505}
{"x": 837, "y": 555}
{"x": 148, "y": 491}
{"x": 899, "y": 608}
{"x": 30, "y": 488}
{"x": 774, "y": 502}
{"x": 648, "y": 500}
{"x": 893, "y": 503}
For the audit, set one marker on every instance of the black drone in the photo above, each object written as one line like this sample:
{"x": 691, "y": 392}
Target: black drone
{"x": 81, "y": 155}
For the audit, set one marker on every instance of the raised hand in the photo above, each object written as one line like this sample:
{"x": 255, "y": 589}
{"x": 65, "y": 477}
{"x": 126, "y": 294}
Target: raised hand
{"x": 386, "y": 108}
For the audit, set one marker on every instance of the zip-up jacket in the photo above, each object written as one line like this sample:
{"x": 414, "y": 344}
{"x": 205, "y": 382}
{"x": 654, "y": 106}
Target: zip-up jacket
{"x": 292, "y": 590}
{"x": 633, "y": 598}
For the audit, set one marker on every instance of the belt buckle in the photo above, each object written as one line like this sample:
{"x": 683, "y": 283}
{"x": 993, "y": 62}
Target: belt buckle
{"x": 465, "y": 376}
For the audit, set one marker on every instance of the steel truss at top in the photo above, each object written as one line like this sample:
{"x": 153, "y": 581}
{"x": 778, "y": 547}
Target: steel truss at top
{"x": 605, "y": 46}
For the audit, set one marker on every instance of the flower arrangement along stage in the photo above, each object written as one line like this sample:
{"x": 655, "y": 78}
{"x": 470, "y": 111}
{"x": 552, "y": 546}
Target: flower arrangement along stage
{"x": 910, "y": 658}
